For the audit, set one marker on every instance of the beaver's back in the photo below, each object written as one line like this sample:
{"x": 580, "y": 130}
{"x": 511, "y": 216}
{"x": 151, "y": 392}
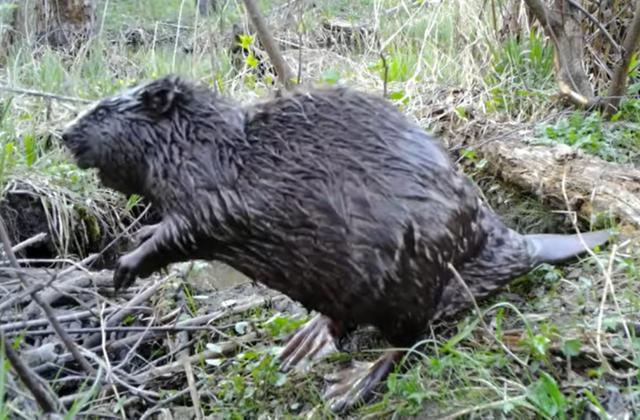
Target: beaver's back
{"x": 351, "y": 209}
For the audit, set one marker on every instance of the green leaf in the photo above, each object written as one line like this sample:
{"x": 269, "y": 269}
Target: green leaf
{"x": 246, "y": 41}
{"x": 594, "y": 400}
{"x": 461, "y": 112}
{"x": 469, "y": 154}
{"x": 461, "y": 335}
{"x": 397, "y": 95}
{"x": 252, "y": 61}
{"x": 30, "y": 154}
{"x": 547, "y": 397}
{"x": 132, "y": 201}
{"x": 571, "y": 348}
{"x": 4, "y": 109}
{"x": 539, "y": 344}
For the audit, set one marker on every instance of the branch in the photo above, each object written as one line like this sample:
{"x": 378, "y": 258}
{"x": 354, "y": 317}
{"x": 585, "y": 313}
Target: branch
{"x": 30, "y": 241}
{"x": 39, "y": 286}
{"x": 44, "y": 397}
{"x": 619, "y": 81}
{"x": 183, "y": 357}
{"x": 64, "y": 337}
{"x": 596, "y": 22}
{"x": 284, "y": 72}
{"x": 44, "y": 94}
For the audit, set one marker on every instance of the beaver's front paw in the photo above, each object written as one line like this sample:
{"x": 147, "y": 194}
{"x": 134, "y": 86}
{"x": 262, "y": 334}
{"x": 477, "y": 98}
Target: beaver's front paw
{"x": 125, "y": 272}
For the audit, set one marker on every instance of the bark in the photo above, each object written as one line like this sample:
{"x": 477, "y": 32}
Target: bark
{"x": 619, "y": 81}
{"x": 592, "y": 185}
{"x": 562, "y": 26}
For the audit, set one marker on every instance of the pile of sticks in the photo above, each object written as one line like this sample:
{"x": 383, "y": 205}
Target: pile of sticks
{"x": 69, "y": 338}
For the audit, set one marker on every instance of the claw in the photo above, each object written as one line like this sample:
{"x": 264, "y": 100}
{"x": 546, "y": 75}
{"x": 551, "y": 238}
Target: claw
{"x": 125, "y": 272}
{"x": 356, "y": 383}
{"x": 308, "y": 344}
{"x": 144, "y": 233}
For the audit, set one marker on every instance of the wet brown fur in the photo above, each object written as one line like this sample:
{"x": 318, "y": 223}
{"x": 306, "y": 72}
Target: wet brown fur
{"x": 331, "y": 196}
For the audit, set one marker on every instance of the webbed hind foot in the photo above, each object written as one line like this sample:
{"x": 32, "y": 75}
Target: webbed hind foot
{"x": 355, "y": 384}
{"x": 308, "y": 344}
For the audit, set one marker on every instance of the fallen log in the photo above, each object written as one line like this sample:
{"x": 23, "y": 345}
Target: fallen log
{"x": 590, "y": 184}
{"x": 564, "y": 177}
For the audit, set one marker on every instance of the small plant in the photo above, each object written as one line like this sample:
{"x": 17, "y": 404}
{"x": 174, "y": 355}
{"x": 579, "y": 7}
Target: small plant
{"x": 281, "y": 325}
{"x": 399, "y": 66}
{"x": 546, "y": 396}
{"x": 592, "y": 134}
{"x": 408, "y": 387}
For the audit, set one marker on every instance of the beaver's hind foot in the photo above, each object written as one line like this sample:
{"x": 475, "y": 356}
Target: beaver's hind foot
{"x": 310, "y": 343}
{"x": 356, "y": 383}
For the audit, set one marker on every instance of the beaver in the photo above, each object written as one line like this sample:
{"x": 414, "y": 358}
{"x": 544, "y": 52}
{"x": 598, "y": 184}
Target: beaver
{"x": 330, "y": 195}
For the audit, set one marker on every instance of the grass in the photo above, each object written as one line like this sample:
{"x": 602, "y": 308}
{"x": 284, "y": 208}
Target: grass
{"x": 539, "y": 357}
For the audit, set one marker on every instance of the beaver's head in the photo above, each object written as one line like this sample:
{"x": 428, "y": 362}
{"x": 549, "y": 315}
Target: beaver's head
{"x": 121, "y": 135}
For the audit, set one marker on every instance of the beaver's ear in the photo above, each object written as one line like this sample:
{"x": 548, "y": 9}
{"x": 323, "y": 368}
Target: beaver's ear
{"x": 161, "y": 95}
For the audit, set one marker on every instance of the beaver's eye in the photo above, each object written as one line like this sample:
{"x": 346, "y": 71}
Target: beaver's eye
{"x": 101, "y": 113}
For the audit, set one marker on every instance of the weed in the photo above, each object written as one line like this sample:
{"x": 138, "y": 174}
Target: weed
{"x": 617, "y": 141}
{"x": 547, "y": 397}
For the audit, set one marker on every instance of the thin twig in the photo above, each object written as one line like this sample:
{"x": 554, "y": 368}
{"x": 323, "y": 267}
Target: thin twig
{"x": 170, "y": 399}
{"x": 41, "y": 322}
{"x": 607, "y": 275}
{"x": 44, "y": 94}
{"x": 385, "y": 70}
{"x": 129, "y": 308}
{"x": 133, "y": 350}
{"x": 39, "y": 286}
{"x": 30, "y": 241}
{"x": 494, "y": 404}
{"x": 115, "y": 346}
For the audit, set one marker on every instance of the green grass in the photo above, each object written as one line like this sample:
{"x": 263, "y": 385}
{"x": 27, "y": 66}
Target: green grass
{"x": 545, "y": 317}
{"x": 521, "y": 77}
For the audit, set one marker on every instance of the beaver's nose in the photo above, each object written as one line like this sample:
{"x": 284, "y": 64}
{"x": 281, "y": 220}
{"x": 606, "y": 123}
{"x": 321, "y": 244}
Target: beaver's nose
{"x": 65, "y": 137}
